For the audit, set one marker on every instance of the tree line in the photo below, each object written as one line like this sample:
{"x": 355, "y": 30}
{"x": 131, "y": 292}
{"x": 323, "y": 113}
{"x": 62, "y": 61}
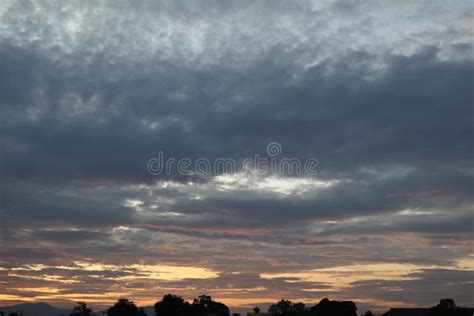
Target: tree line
{"x": 170, "y": 305}
{"x": 173, "y": 305}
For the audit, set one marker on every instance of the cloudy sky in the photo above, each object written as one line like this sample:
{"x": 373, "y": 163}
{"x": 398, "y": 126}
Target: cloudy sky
{"x": 380, "y": 93}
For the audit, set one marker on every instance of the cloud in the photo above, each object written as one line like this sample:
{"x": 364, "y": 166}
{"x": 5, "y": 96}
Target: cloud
{"x": 380, "y": 95}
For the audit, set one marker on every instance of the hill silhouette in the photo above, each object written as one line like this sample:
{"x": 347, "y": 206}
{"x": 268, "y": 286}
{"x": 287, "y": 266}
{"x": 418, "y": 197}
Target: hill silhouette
{"x": 35, "y": 309}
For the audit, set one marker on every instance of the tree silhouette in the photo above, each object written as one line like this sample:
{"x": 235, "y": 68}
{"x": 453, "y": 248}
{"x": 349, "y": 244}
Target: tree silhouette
{"x": 125, "y": 307}
{"x": 287, "y": 308}
{"x": 81, "y": 309}
{"x": 447, "y": 307}
{"x": 330, "y": 308}
{"x": 205, "y": 305}
{"x": 172, "y": 305}
{"x": 283, "y": 307}
{"x": 368, "y": 313}
{"x": 256, "y": 309}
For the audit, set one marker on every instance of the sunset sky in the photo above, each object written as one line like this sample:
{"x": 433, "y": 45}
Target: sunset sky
{"x": 379, "y": 93}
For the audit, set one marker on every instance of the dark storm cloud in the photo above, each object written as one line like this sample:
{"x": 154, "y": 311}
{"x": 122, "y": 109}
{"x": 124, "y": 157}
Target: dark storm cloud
{"x": 382, "y": 122}
{"x": 70, "y": 120}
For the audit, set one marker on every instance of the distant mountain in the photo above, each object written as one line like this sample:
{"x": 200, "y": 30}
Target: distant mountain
{"x": 35, "y": 309}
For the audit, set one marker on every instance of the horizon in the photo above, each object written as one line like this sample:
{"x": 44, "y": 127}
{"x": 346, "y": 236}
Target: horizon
{"x": 240, "y": 309}
{"x": 249, "y": 150}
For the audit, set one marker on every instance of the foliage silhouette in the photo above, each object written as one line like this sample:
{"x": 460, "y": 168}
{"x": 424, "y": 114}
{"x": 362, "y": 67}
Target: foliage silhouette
{"x": 172, "y": 305}
{"x": 329, "y": 308}
{"x": 204, "y": 305}
{"x": 81, "y": 309}
{"x": 447, "y": 307}
{"x": 287, "y": 308}
{"x": 125, "y": 307}
{"x": 324, "y": 308}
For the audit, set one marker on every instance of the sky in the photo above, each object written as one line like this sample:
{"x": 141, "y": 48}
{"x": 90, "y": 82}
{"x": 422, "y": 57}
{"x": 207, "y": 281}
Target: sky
{"x": 378, "y": 95}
